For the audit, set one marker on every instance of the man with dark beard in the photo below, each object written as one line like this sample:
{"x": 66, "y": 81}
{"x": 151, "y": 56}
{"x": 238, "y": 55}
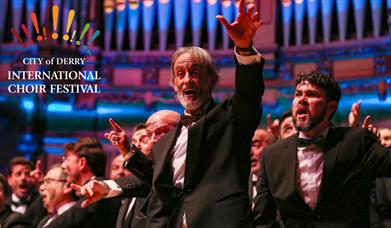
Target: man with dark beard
{"x": 322, "y": 175}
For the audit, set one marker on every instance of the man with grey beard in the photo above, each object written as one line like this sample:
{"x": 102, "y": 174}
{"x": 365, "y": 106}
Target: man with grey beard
{"x": 201, "y": 168}
{"x": 322, "y": 175}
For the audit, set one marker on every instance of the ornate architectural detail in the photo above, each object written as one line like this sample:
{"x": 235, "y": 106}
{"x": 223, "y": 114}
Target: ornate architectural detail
{"x": 285, "y": 70}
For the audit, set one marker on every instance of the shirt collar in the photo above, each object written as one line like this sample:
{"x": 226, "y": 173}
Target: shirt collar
{"x": 15, "y": 198}
{"x": 324, "y": 133}
{"x": 65, "y": 207}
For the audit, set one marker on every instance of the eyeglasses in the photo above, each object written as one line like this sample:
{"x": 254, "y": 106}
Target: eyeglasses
{"x": 66, "y": 159}
{"x": 48, "y": 180}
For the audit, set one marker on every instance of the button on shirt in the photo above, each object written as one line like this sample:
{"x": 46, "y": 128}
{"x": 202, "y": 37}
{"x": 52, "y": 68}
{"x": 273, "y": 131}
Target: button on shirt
{"x": 309, "y": 171}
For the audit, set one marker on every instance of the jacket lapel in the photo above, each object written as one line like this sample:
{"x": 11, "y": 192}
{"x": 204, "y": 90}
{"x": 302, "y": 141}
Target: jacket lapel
{"x": 290, "y": 155}
{"x": 162, "y": 151}
{"x": 193, "y": 155}
{"x": 194, "y": 144}
{"x": 331, "y": 152}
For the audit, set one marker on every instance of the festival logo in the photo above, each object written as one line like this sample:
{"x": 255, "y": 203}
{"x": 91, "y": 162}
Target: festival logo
{"x": 42, "y": 33}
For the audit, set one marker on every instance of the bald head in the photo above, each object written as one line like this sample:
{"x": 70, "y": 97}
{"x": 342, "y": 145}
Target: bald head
{"x": 161, "y": 122}
{"x": 164, "y": 116}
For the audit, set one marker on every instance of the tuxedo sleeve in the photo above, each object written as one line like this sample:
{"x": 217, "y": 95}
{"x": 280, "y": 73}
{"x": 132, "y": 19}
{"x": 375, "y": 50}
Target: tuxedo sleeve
{"x": 157, "y": 213}
{"x": 132, "y": 187}
{"x": 377, "y": 158}
{"x": 17, "y": 220}
{"x": 141, "y": 166}
{"x": 247, "y": 99}
{"x": 264, "y": 206}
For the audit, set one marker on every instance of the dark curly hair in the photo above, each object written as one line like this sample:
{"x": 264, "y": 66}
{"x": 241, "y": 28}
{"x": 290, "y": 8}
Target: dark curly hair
{"x": 323, "y": 81}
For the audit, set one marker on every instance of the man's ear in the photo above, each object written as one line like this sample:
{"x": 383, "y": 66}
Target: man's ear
{"x": 67, "y": 189}
{"x": 332, "y": 107}
{"x": 82, "y": 163}
{"x": 9, "y": 180}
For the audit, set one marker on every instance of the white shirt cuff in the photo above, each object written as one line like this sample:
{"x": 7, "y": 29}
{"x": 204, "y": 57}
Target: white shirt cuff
{"x": 115, "y": 189}
{"x": 250, "y": 59}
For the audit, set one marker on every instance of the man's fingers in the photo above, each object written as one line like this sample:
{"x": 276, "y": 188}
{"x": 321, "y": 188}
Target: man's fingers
{"x": 367, "y": 120}
{"x": 76, "y": 187}
{"x": 241, "y": 6}
{"x": 223, "y": 21}
{"x": 250, "y": 10}
{"x": 255, "y": 16}
{"x": 90, "y": 192}
{"x": 269, "y": 120}
{"x": 85, "y": 203}
{"x": 114, "y": 125}
{"x": 38, "y": 165}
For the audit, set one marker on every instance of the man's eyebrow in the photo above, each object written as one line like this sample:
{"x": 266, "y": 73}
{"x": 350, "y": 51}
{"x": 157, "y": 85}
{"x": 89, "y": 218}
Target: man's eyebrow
{"x": 150, "y": 124}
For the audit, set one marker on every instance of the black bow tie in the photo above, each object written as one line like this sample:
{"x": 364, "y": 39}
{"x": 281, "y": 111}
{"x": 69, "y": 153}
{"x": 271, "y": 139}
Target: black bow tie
{"x": 18, "y": 203}
{"x": 187, "y": 120}
{"x": 318, "y": 141}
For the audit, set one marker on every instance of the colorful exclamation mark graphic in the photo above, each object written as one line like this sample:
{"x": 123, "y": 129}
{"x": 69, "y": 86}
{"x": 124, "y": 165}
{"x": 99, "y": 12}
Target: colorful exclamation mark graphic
{"x": 55, "y": 22}
{"x": 24, "y": 28}
{"x": 93, "y": 37}
{"x": 73, "y": 35}
{"x": 44, "y": 33}
{"x": 71, "y": 14}
{"x": 35, "y": 23}
{"x": 85, "y": 29}
{"x": 18, "y": 37}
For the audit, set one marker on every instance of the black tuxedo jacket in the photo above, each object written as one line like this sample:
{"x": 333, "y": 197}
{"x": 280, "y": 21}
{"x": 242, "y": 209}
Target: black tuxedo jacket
{"x": 97, "y": 215}
{"x": 9, "y": 219}
{"x": 352, "y": 159}
{"x": 35, "y": 210}
{"x": 133, "y": 187}
{"x": 380, "y": 207}
{"x": 215, "y": 192}
{"x": 135, "y": 219}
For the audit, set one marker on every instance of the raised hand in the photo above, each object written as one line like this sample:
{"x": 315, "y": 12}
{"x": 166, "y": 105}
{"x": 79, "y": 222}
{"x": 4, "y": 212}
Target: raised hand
{"x": 93, "y": 191}
{"x": 243, "y": 29}
{"x": 36, "y": 175}
{"x": 354, "y": 114}
{"x": 118, "y": 138}
{"x": 273, "y": 126}
{"x": 367, "y": 124}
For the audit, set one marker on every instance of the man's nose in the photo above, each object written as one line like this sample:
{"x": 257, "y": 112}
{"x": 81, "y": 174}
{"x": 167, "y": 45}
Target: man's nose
{"x": 303, "y": 100}
{"x": 187, "y": 78}
{"x": 41, "y": 188}
{"x": 302, "y": 97}
{"x": 25, "y": 175}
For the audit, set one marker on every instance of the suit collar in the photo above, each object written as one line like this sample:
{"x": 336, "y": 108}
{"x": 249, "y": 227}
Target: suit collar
{"x": 291, "y": 157}
{"x": 194, "y": 143}
{"x": 330, "y": 156}
{"x": 193, "y": 153}
{"x": 162, "y": 150}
